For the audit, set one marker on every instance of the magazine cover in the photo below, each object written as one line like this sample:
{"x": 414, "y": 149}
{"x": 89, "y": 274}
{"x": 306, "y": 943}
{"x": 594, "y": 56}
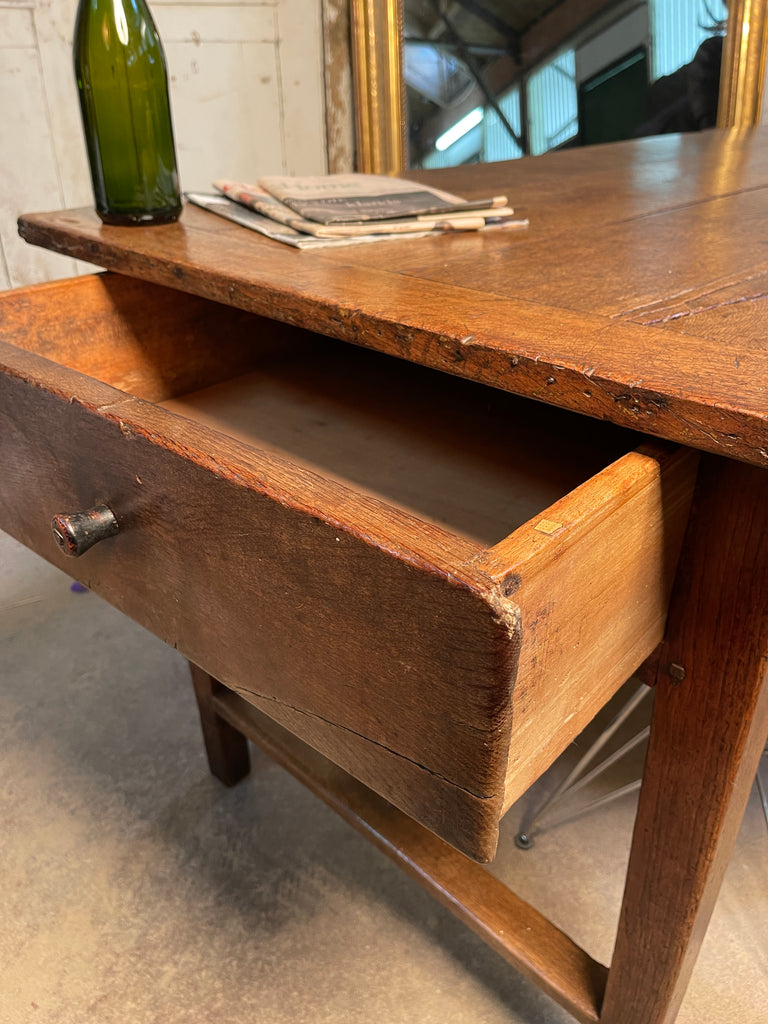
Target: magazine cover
{"x": 356, "y": 198}
{"x": 257, "y": 198}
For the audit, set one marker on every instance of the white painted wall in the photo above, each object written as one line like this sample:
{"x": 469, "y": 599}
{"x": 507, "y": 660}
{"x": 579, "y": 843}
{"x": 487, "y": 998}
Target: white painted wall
{"x": 246, "y": 89}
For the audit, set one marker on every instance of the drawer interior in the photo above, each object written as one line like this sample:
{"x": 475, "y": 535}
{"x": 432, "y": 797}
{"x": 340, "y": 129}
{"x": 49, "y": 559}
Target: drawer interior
{"x": 477, "y": 461}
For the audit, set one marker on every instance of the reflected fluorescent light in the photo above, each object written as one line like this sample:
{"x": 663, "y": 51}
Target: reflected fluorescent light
{"x": 456, "y": 131}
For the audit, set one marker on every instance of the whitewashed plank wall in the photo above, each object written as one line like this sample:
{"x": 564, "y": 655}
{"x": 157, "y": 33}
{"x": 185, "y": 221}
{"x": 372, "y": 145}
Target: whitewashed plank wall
{"x": 246, "y": 89}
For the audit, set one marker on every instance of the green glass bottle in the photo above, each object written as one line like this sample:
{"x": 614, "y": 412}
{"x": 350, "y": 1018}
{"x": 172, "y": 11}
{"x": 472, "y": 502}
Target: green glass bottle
{"x": 123, "y": 85}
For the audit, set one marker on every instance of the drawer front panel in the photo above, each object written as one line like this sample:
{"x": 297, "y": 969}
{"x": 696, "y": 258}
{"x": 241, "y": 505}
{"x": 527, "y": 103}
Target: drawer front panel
{"x": 396, "y": 665}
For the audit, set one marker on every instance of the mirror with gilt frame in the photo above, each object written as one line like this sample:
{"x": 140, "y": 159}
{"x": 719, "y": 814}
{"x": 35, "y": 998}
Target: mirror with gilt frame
{"x": 487, "y": 58}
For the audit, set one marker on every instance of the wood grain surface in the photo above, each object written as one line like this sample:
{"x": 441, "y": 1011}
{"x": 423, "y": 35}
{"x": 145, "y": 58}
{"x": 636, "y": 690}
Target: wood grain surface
{"x": 626, "y": 299}
{"x": 142, "y": 339}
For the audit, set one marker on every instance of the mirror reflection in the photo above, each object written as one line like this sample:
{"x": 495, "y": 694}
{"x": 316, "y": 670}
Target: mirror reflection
{"x": 498, "y": 79}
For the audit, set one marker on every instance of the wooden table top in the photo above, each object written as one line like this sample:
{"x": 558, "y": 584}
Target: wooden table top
{"x": 639, "y": 293}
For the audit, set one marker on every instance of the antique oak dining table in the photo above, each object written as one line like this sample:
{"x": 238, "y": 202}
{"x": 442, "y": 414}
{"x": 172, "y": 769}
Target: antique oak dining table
{"x": 415, "y": 510}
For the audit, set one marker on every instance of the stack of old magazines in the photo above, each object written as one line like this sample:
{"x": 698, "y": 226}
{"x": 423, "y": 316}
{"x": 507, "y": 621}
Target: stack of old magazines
{"x": 340, "y": 209}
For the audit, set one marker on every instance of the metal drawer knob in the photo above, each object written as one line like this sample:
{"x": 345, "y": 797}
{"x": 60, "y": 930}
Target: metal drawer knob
{"x": 75, "y": 532}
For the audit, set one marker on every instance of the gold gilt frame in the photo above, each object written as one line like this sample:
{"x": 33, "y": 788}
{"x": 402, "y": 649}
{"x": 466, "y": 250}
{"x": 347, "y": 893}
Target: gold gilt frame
{"x": 742, "y": 75}
{"x": 379, "y": 94}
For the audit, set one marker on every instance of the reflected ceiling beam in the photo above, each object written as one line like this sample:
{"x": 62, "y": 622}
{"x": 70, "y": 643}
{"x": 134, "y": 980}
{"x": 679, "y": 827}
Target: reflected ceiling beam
{"x": 478, "y": 49}
{"x": 537, "y": 42}
{"x": 557, "y": 25}
{"x": 495, "y": 22}
{"x": 488, "y": 94}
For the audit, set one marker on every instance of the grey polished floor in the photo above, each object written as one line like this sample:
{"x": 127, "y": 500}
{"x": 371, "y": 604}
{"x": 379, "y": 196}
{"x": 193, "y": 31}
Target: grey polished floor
{"x": 134, "y": 888}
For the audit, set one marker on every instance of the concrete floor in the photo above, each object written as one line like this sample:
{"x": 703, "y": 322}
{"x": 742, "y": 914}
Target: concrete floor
{"x": 135, "y": 889}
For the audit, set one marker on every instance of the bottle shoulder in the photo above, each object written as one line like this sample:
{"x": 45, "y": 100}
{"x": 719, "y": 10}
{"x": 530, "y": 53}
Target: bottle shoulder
{"x": 119, "y": 28}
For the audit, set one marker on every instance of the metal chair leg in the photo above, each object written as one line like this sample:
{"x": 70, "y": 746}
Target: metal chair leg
{"x": 579, "y": 777}
{"x": 533, "y": 825}
{"x": 761, "y": 789}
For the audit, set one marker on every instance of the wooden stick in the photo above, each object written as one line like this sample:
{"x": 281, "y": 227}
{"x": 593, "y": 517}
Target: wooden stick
{"x": 523, "y": 936}
{"x": 226, "y": 747}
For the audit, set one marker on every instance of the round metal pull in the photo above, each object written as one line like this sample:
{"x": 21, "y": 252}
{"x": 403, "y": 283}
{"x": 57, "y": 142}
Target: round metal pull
{"x": 75, "y": 532}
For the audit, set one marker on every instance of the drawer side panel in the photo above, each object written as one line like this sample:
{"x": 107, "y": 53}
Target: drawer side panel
{"x": 593, "y": 578}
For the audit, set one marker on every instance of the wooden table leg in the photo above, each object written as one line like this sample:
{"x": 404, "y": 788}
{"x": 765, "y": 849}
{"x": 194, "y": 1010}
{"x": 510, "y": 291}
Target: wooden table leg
{"x": 226, "y": 747}
{"x": 709, "y": 727}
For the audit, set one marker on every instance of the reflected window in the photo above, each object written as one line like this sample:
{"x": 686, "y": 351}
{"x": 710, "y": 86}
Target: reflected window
{"x": 678, "y": 28}
{"x": 531, "y": 78}
{"x": 553, "y": 116}
{"x": 498, "y": 143}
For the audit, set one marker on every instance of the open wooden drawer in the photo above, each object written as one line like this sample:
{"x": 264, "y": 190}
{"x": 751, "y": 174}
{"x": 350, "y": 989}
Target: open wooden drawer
{"x": 433, "y": 583}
